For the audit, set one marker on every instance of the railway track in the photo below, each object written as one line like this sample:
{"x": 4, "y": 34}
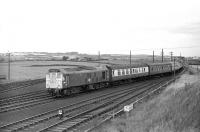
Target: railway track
{"x": 76, "y": 114}
{"x": 21, "y": 97}
{"x": 70, "y": 122}
{"x": 24, "y": 101}
{"x": 19, "y": 85}
{"x": 91, "y": 126}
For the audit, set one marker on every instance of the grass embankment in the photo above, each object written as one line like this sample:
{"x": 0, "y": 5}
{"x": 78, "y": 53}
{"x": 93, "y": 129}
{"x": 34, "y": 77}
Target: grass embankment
{"x": 176, "y": 109}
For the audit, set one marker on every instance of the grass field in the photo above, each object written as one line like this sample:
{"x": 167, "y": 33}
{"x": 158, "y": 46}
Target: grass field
{"x": 23, "y": 70}
{"x": 37, "y": 69}
{"x": 176, "y": 109}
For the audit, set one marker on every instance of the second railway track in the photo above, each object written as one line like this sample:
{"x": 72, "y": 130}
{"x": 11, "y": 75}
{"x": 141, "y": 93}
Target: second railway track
{"x": 24, "y": 101}
{"x": 19, "y": 85}
{"x": 82, "y": 111}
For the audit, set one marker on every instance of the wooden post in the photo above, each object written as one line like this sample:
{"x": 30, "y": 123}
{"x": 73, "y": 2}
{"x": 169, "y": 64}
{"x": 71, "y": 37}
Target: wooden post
{"x": 171, "y": 53}
{"x": 130, "y": 58}
{"x": 162, "y": 55}
{"x": 9, "y": 66}
{"x": 153, "y": 56}
{"x": 174, "y": 67}
{"x": 99, "y": 58}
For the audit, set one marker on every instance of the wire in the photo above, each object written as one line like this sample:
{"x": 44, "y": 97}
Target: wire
{"x": 169, "y": 48}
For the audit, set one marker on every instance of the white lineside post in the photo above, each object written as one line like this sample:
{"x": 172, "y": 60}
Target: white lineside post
{"x": 128, "y": 108}
{"x": 113, "y": 114}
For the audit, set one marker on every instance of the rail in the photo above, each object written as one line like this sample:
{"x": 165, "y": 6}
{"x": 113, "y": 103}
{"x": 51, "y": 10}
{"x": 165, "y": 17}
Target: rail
{"x": 133, "y": 103}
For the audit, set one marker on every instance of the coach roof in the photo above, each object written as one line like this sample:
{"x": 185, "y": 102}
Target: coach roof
{"x": 125, "y": 66}
{"x": 163, "y": 63}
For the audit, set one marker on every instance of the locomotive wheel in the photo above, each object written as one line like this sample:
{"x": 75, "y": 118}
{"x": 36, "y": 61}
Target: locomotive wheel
{"x": 66, "y": 92}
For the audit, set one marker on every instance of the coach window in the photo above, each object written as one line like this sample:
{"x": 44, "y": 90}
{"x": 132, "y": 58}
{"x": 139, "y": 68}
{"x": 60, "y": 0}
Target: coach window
{"x": 119, "y": 73}
{"x": 123, "y": 71}
{"x": 127, "y": 72}
{"x": 133, "y": 70}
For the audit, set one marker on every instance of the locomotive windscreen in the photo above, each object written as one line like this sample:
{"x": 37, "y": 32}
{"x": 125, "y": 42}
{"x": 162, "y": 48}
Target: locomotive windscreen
{"x": 54, "y": 70}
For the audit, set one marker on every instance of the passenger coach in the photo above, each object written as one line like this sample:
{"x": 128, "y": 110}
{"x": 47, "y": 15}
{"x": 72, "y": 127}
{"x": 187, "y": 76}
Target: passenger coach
{"x": 121, "y": 72}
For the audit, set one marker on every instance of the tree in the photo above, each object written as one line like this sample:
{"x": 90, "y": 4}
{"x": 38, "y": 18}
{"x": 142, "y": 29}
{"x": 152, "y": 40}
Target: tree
{"x": 65, "y": 58}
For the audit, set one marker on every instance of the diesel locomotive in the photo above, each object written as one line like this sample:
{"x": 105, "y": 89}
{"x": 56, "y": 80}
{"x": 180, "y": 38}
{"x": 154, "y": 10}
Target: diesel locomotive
{"x": 61, "y": 82}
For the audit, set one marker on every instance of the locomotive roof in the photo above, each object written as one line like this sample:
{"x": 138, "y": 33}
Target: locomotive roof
{"x": 128, "y": 66}
{"x": 75, "y": 71}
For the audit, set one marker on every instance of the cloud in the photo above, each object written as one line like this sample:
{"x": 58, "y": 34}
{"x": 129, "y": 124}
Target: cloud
{"x": 191, "y": 29}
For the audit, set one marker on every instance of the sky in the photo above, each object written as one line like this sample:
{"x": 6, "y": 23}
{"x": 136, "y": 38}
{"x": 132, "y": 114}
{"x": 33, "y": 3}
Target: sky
{"x": 108, "y": 26}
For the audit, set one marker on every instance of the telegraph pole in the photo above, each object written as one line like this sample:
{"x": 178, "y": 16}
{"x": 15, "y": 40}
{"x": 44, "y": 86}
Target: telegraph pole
{"x": 99, "y": 57}
{"x": 174, "y": 67}
{"x": 153, "y": 56}
{"x": 171, "y": 53}
{"x": 162, "y": 55}
{"x": 8, "y": 65}
{"x": 130, "y": 58}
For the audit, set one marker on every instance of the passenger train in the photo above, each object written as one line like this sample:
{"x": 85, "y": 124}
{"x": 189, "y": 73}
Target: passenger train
{"x": 60, "y": 82}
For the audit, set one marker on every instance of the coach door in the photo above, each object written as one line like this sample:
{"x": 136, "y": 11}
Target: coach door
{"x": 104, "y": 75}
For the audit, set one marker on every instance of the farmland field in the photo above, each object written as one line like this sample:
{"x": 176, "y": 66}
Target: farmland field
{"x": 24, "y": 70}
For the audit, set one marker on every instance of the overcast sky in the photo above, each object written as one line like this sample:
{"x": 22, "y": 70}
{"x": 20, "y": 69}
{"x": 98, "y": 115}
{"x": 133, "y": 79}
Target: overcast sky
{"x": 109, "y": 26}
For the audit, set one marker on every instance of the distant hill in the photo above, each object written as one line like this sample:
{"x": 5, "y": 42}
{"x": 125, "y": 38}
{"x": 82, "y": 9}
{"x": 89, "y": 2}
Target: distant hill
{"x": 74, "y": 56}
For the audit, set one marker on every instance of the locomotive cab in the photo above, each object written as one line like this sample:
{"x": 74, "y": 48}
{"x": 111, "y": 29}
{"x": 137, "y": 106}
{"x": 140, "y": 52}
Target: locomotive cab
{"x": 54, "y": 80}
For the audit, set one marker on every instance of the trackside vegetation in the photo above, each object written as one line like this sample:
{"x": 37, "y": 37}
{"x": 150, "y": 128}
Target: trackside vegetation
{"x": 176, "y": 109}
